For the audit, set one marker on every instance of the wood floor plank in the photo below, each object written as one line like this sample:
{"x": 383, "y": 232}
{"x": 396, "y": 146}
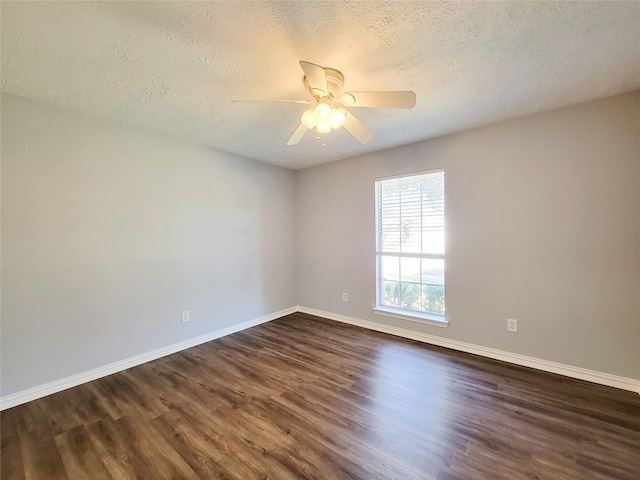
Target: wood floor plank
{"x": 201, "y": 448}
{"x": 304, "y": 447}
{"x": 133, "y": 448}
{"x": 9, "y": 421}
{"x": 333, "y": 440}
{"x": 79, "y": 455}
{"x": 28, "y": 418}
{"x": 117, "y": 450}
{"x": 303, "y": 397}
{"x": 222, "y": 443}
{"x": 40, "y": 456}
{"x": 107, "y": 402}
{"x": 345, "y": 418}
{"x": 11, "y": 460}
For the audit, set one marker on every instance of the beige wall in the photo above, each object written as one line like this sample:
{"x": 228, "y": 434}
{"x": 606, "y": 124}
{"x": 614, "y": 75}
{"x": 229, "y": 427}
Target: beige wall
{"x": 543, "y": 225}
{"x": 109, "y": 233}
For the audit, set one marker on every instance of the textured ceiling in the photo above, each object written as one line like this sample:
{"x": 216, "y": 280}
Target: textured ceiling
{"x": 174, "y": 67}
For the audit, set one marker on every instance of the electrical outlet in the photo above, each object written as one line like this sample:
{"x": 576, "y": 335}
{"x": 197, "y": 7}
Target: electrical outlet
{"x": 345, "y": 297}
{"x": 185, "y": 316}
{"x": 512, "y": 325}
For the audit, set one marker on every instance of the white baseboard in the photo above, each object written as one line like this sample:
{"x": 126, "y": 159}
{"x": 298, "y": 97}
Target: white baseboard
{"x": 539, "y": 364}
{"x": 40, "y": 391}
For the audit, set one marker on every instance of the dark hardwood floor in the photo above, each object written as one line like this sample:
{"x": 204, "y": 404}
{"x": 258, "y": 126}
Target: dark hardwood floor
{"x": 307, "y": 398}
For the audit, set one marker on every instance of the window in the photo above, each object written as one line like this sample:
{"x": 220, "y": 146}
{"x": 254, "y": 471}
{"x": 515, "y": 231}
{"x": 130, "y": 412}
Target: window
{"x": 410, "y": 247}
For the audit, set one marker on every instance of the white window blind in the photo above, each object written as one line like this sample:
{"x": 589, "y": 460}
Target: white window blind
{"x": 410, "y": 243}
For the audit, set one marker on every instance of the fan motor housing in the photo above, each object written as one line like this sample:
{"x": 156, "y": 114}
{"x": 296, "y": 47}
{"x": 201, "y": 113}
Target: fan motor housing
{"x": 335, "y": 83}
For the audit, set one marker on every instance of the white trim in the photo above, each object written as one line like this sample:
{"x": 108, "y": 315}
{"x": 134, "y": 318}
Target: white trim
{"x": 40, "y": 391}
{"x": 426, "y": 318}
{"x": 531, "y": 362}
{"x": 410, "y": 174}
{"x": 437, "y": 256}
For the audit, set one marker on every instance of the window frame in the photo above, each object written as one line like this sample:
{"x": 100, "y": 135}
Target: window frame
{"x": 399, "y": 312}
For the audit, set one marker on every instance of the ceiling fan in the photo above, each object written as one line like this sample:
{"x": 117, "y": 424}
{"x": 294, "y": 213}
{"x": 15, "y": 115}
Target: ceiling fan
{"x": 325, "y": 86}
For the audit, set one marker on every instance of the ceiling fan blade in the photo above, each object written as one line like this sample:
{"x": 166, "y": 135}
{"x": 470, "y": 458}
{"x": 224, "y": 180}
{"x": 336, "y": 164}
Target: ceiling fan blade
{"x": 405, "y": 99}
{"x": 298, "y": 134}
{"x": 357, "y": 129}
{"x": 304, "y": 102}
{"x": 315, "y": 76}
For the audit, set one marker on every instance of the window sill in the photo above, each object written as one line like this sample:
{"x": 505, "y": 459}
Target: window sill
{"x": 429, "y": 319}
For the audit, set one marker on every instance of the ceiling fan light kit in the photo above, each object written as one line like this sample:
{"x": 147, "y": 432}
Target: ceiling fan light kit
{"x": 325, "y": 86}
{"x": 324, "y": 117}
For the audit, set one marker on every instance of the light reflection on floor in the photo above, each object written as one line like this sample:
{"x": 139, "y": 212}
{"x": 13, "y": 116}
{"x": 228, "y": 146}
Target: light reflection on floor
{"x": 403, "y": 381}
